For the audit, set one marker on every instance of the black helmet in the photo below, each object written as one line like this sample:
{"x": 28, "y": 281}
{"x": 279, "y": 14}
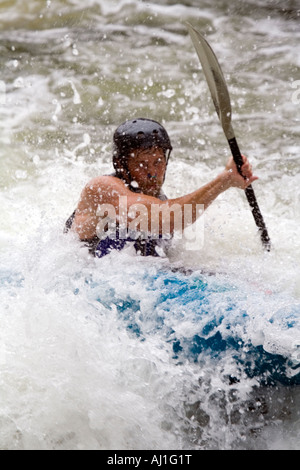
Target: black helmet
{"x": 138, "y": 133}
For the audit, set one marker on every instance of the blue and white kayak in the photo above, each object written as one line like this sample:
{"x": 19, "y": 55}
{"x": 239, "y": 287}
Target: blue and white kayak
{"x": 200, "y": 316}
{"x": 203, "y": 315}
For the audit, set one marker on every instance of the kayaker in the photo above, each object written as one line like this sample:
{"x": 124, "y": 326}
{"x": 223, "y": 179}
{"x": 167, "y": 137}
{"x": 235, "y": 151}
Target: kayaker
{"x": 118, "y": 209}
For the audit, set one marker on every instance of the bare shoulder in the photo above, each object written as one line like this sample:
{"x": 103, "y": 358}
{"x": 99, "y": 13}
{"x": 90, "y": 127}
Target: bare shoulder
{"x": 104, "y": 189}
{"x": 100, "y": 183}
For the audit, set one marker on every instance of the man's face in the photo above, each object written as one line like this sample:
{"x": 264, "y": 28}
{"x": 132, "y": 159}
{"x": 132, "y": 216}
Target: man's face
{"x": 147, "y": 168}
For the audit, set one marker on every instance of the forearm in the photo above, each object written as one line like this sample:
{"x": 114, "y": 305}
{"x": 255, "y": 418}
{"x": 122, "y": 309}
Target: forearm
{"x": 165, "y": 217}
{"x": 204, "y": 195}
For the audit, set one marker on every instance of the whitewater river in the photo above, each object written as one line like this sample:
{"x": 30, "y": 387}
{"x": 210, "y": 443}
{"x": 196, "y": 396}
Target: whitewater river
{"x": 89, "y": 352}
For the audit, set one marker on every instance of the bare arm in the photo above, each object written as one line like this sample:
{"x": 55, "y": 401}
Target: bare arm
{"x": 107, "y": 190}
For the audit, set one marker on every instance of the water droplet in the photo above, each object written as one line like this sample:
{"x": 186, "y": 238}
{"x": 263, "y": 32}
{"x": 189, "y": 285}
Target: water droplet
{"x": 21, "y": 174}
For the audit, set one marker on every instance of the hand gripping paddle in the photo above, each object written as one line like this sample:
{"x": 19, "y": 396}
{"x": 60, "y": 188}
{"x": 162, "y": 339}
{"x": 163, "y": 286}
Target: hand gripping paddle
{"x": 219, "y": 92}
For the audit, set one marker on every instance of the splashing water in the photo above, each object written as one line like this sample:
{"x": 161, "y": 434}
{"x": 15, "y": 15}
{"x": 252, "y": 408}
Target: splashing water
{"x": 131, "y": 353}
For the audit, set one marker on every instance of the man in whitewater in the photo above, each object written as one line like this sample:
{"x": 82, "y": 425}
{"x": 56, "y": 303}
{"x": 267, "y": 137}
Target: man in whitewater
{"x": 129, "y": 206}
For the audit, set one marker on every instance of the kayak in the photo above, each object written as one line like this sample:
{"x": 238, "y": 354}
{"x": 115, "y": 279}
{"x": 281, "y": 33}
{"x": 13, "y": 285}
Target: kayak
{"x": 204, "y": 315}
{"x": 200, "y": 317}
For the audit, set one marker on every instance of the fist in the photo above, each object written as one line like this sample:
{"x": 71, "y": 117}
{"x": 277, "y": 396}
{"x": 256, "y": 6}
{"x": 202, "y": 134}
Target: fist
{"x": 237, "y": 180}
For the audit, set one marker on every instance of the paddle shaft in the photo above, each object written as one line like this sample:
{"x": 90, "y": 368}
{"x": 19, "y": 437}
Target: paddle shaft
{"x": 237, "y": 156}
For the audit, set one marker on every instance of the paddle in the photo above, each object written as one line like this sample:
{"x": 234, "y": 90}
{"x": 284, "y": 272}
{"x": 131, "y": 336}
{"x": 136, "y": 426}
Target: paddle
{"x": 219, "y": 92}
